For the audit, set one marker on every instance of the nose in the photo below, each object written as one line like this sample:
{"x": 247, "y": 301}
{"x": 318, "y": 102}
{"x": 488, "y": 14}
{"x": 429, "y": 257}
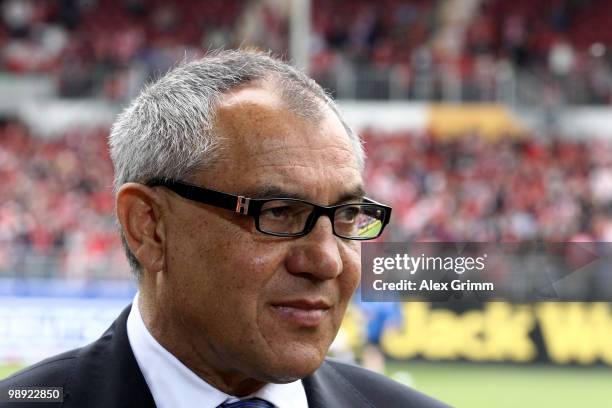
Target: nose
{"x": 317, "y": 254}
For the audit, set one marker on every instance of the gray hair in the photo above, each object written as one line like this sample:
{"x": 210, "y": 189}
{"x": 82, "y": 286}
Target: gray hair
{"x": 167, "y": 132}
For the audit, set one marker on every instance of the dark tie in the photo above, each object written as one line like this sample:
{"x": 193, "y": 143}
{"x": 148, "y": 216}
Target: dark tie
{"x": 248, "y": 403}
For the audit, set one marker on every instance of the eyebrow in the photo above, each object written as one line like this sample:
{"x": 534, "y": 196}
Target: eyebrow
{"x": 271, "y": 191}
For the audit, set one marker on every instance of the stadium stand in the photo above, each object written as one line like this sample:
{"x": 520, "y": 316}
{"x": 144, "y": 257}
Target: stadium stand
{"x": 392, "y": 49}
{"x": 509, "y": 190}
{"x": 57, "y": 194}
{"x": 56, "y": 200}
{"x": 58, "y": 191}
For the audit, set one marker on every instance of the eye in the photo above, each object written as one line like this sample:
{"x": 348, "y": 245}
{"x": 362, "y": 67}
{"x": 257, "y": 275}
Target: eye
{"x": 280, "y": 212}
{"x": 348, "y": 214}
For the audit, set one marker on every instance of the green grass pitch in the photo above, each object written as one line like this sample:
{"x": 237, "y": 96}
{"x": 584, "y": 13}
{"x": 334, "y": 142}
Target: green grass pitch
{"x": 6, "y": 370}
{"x": 501, "y": 386}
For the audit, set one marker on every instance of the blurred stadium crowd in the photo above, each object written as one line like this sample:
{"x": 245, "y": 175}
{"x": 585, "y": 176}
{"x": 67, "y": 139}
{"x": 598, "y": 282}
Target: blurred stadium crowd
{"x": 56, "y": 205}
{"x": 421, "y": 49}
{"x": 511, "y": 190}
{"x": 57, "y": 195}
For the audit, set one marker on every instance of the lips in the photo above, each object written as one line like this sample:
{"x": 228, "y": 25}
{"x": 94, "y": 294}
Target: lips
{"x": 302, "y": 312}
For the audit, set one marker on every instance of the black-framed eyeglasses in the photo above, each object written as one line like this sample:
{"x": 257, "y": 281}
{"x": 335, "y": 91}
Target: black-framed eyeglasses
{"x": 291, "y": 217}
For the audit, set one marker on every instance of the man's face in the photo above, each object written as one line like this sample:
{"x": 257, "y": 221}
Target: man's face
{"x": 248, "y": 304}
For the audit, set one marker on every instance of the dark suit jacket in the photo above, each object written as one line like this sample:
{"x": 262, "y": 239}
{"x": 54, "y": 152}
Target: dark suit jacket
{"x": 105, "y": 374}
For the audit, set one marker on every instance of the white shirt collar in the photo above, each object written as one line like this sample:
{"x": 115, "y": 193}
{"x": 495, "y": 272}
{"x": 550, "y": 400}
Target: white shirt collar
{"x": 173, "y": 385}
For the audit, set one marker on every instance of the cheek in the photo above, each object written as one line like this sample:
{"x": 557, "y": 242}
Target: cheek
{"x": 223, "y": 261}
{"x": 352, "y": 268}
{"x": 197, "y": 253}
{"x": 222, "y": 278}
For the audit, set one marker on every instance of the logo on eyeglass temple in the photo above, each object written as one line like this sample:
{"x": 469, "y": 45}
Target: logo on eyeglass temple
{"x": 242, "y": 205}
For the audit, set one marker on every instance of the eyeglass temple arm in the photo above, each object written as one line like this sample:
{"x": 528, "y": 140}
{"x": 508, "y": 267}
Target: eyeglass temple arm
{"x": 239, "y": 204}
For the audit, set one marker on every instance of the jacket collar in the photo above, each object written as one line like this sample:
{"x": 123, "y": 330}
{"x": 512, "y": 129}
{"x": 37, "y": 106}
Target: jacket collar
{"x": 327, "y": 388}
{"x": 107, "y": 374}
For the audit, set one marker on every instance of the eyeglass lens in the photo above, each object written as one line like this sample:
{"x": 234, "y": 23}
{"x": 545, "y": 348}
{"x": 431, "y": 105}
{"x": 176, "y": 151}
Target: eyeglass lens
{"x": 361, "y": 221}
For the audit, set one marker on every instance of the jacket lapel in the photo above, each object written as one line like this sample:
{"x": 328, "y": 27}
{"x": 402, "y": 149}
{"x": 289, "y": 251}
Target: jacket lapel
{"x": 328, "y": 388}
{"x": 107, "y": 374}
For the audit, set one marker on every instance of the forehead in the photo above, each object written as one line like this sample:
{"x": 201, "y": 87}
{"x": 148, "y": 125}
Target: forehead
{"x": 265, "y": 144}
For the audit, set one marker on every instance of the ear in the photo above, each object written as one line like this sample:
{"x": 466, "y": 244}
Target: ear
{"x": 139, "y": 213}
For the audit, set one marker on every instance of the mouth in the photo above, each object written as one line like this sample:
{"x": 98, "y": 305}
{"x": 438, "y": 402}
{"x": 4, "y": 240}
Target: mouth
{"x": 302, "y": 312}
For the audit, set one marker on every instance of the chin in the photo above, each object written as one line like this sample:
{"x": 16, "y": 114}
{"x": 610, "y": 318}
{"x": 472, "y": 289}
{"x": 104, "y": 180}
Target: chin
{"x": 294, "y": 366}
